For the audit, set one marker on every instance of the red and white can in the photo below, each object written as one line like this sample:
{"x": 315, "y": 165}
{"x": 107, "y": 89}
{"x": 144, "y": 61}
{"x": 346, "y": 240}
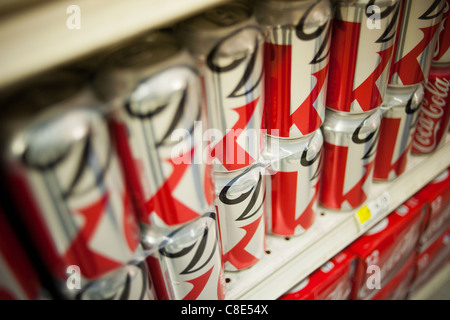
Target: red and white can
{"x": 65, "y": 180}
{"x": 350, "y": 144}
{"x": 186, "y": 261}
{"x": 360, "y": 54}
{"x": 442, "y": 52}
{"x": 18, "y": 278}
{"x": 130, "y": 282}
{"x": 292, "y": 186}
{"x": 155, "y": 93}
{"x": 240, "y": 198}
{"x": 400, "y": 110}
{"x": 418, "y": 30}
{"x": 228, "y": 45}
{"x": 296, "y": 53}
{"x": 433, "y": 121}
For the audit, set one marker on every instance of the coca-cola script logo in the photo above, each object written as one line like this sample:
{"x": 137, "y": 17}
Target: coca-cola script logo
{"x": 431, "y": 115}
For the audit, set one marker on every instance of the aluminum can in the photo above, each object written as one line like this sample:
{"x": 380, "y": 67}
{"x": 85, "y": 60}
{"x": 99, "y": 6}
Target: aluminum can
{"x": 64, "y": 178}
{"x": 240, "y": 198}
{"x": 137, "y": 285}
{"x": 18, "y": 278}
{"x": 292, "y": 186}
{"x": 350, "y": 145}
{"x": 433, "y": 122}
{"x": 296, "y": 54}
{"x": 417, "y": 32}
{"x": 156, "y": 120}
{"x": 228, "y": 45}
{"x": 360, "y": 54}
{"x": 186, "y": 261}
{"x": 400, "y": 110}
{"x": 442, "y": 51}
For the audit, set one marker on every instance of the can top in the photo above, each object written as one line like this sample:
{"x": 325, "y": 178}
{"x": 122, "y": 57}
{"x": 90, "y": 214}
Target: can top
{"x": 128, "y": 66}
{"x": 348, "y": 122}
{"x": 395, "y": 97}
{"x": 220, "y": 17}
{"x": 310, "y": 14}
{"x": 54, "y": 88}
{"x": 46, "y": 116}
{"x": 203, "y": 32}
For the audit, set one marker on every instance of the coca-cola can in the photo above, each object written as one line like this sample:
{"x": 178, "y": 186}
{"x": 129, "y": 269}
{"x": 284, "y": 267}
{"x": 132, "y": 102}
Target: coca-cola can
{"x": 296, "y": 53}
{"x": 186, "y": 261}
{"x": 417, "y": 32}
{"x": 360, "y": 54}
{"x": 434, "y": 114}
{"x": 228, "y": 45}
{"x": 292, "y": 186}
{"x": 400, "y": 110}
{"x": 156, "y": 115}
{"x": 350, "y": 145}
{"x": 240, "y": 198}
{"x": 442, "y": 51}
{"x": 18, "y": 278}
{"x": 65, "y": 180}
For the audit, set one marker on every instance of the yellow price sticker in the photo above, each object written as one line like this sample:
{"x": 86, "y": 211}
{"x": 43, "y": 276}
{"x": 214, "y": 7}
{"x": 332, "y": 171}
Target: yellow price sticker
{"x": 363, "y": 214}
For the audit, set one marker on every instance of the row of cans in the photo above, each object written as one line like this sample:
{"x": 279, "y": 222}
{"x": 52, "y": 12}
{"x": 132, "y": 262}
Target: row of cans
{"x": 118, "y": 181}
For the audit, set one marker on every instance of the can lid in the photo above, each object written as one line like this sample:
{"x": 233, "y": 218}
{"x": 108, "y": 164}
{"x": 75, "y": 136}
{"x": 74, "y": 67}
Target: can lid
{"x": 146, "y": 52}
{"x": 46, "y": 143}
{"x": 128, "y": 66}
{"x": 48, "y": 90}
{"x": 227, "y": 15}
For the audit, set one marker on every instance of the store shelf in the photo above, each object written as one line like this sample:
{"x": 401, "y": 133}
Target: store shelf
{"x": 437, "y": 288}
{"x": 289, "y": 260}
{"x": 36, "y": 39}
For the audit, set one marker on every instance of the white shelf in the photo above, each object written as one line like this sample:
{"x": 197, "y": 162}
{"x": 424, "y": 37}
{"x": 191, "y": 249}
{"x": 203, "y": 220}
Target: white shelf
{"x": 38, "y": 39}
{"x": 290, "y": 261}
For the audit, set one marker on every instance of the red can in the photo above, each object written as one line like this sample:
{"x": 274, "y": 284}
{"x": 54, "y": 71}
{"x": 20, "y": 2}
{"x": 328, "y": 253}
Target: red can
{"x": 154, "y": 89}
{"x": 296, "y": 64}
{"x": 350, "y": 144}
{"x": 434, "y": 114}
{"x": 295, "y": 165}
{"x": 416, "y": 37}
{"x": 65, "y": 179}
{"x": 400, "y": 110}
{"x": 228, "y": 45}
{"x": 442, "y": 53}
{"x": 361, "y": 51}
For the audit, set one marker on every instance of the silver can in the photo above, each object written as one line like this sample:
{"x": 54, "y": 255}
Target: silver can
{"x": 296, "y": 55}
{"x": 155, "y": 93}
{"x": 228, "y": 45}
{"x": 400, "y": 111}
{"x": 186, "y": 261}
{"x": 240, "y": 198}
{"x": 350, "y": 145}
{"x": 292, "y": 186}
{"x": 65, "y": 179}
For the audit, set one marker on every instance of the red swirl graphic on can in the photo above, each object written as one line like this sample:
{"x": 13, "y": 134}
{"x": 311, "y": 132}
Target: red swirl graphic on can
{"x": 434, "y": 113}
